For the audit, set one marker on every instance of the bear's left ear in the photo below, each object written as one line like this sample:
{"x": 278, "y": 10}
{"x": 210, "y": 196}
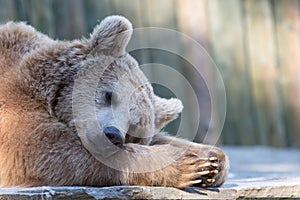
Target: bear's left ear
{"x": 166, "y": 110}
{"x": 111, "y": 36}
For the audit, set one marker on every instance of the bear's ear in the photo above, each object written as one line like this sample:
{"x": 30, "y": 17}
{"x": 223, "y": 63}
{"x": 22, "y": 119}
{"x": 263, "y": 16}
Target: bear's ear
{"x": 166, "y": 110}
{"x": 111, "y": 36}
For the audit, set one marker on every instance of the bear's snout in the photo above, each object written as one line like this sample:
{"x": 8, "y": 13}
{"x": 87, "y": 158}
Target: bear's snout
{"x": 115, "y": 136}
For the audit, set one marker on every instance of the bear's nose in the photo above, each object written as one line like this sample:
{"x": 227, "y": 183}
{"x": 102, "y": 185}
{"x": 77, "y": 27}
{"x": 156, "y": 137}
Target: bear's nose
{"x": 114, "y": 135}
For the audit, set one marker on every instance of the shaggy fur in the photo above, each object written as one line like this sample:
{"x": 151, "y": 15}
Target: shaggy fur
{"x": 48, "y": 136}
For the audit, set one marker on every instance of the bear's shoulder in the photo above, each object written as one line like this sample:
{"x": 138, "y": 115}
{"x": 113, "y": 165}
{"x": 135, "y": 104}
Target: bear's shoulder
{"x": 20, "y": 37}
{"x": 16, "y": 40}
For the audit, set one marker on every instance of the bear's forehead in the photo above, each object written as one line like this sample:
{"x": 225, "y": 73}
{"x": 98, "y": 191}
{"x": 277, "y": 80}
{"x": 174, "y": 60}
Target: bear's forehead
{"x": 124, "y": 75}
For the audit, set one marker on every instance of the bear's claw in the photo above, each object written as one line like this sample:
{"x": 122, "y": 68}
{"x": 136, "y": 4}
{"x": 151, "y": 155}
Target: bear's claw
{"x": 208, "y": 171}
{"x": 210, "y": 180}
{"x": 213, "y": 159}
{"x": 203, "y": 173}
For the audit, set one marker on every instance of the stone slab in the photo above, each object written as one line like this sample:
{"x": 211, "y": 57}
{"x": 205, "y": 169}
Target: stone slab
{"x": 256, "y": 172}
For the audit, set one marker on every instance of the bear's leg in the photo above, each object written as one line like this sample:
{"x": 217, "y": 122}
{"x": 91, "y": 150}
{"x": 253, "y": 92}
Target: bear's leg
{"x": 165, "y": 165}
{"x": 217, "y": 157}
{"x": 54, "y": 155}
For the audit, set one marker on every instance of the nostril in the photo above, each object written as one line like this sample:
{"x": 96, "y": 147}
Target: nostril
{"x": 114, "y": 135}
{"x": 110, "y": 136}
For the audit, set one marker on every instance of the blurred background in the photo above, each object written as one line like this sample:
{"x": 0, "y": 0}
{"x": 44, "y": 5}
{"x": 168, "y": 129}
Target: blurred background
{"x": 254, "y": 43}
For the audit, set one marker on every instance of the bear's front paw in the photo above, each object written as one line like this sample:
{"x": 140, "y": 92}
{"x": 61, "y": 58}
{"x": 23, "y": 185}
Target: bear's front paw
{"x": 218, "y": 165}
{"x": 209, "y": 171}
{"x": 195, "y": 170}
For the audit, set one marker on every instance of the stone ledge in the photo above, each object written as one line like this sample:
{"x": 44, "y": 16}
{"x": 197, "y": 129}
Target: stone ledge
{"x": 116, "y": 192}
{"x": 256, "y": 172}
{"x": 247, "y": 188}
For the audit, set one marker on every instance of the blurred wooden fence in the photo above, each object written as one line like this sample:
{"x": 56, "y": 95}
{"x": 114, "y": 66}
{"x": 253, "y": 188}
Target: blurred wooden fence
{"x": 254, "y": 43}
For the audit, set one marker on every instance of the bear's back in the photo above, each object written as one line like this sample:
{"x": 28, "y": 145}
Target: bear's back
{"x": 17, "y": 40}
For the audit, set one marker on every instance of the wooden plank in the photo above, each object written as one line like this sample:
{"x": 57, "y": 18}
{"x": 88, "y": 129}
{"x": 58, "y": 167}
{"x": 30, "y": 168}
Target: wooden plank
{"x": 95, "y": 11}
{"x": 21, "y": 11}
{"x": 227, "y": 39}
{"x": 162, "y": 14}
{"x": 131, "y": 11}
{"x": 192, "y": 20}
{"x": 144, "y": 54}
{"x": 7, "y": 11}
{"x": 288, "y": 40}
{"x": 260, "y": 43}
{"x": 69, "y": 18}
{"x": 42, "y": 17}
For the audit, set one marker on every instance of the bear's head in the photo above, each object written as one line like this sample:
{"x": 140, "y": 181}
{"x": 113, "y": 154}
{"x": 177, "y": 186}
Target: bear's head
{"x": 112, "y": 99}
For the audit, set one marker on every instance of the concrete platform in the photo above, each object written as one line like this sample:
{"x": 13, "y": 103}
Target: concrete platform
{"x": 256, "y": 172}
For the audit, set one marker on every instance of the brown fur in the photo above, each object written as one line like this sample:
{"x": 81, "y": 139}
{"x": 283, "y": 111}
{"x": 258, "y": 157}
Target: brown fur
{"x": 39, "y": 142}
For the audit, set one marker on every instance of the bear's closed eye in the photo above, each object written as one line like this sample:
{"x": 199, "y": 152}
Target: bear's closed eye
{"x": 108, "y": 97}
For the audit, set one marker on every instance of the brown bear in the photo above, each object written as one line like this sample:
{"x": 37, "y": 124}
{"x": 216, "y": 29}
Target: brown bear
{"x": 82, "y": 113}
